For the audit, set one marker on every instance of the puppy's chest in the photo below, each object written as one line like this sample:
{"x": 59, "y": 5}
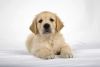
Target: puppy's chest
{"x": 49, "y": 41}
{"x": 52, "y": 41}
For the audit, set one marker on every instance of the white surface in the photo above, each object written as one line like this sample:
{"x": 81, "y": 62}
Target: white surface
{"x": 81, "y": 29}
{"x": 89, "y": 57}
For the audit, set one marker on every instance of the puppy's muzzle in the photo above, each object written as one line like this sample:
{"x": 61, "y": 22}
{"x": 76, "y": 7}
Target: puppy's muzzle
{"x": 47, "y": 28}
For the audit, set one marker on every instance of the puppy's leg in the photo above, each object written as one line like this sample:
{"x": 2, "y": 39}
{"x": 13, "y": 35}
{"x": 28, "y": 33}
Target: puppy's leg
{"x": 44, "y": 53}
{"x": 66, "y": 52}
{"x": 29, "y": 42}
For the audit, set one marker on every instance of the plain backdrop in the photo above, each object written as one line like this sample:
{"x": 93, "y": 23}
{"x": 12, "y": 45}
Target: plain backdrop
{"x": 81, "y": 20}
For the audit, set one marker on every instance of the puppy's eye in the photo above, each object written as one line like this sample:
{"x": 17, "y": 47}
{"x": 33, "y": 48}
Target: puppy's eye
{"x": 40, "y": 21}
{"x": 51, "y": 19}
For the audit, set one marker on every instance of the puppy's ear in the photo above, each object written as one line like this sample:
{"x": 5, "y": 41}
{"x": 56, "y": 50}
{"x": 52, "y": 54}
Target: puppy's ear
{"x": 33, "y": 27}
{"x": 59, "y": 24}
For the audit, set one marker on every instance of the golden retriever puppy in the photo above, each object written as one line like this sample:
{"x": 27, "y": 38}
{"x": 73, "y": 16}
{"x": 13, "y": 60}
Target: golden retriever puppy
{"x": 46, "y": 41}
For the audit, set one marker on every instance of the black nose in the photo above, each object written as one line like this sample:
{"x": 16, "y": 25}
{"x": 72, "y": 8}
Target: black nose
{"x": 46, "y": 26}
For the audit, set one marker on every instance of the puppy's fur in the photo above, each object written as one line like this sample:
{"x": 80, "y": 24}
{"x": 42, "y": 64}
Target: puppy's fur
{"x": 46, "y": 41}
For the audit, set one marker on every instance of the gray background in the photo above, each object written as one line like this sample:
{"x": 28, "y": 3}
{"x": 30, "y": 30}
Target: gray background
{"x": 81, "y": 19}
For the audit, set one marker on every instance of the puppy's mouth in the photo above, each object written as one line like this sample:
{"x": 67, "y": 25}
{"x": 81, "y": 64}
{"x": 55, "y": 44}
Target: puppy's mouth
{"x": 47, "y": 31}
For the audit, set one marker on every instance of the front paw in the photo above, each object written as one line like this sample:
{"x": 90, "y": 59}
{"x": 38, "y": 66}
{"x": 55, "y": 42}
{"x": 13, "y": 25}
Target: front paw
{"x": 66, "y": 53}
{"x": 45, "y": 53}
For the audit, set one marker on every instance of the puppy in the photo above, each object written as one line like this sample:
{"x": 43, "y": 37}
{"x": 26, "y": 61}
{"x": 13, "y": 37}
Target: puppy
{"x": 45, "y": 41}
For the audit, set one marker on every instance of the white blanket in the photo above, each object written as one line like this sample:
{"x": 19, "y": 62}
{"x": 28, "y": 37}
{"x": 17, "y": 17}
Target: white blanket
{"x": 83, "y": 56}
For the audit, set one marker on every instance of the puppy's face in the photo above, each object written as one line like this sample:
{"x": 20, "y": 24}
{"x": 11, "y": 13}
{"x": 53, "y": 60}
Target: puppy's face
{"x": 46, "y": 23}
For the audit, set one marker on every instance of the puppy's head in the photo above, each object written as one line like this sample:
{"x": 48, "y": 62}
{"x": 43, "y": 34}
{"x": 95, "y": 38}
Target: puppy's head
{"x": 46, "y": 23}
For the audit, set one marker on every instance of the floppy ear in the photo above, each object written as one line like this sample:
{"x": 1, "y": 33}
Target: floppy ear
{"x": 59, "y": 24}
{"x": 33, "y": 27}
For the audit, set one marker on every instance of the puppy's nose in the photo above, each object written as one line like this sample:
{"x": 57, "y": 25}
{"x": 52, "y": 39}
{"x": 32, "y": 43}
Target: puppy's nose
{"x": 46, "y": 26}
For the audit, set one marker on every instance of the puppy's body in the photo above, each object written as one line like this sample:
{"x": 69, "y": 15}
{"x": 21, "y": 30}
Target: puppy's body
{"x": 46, "y": 45}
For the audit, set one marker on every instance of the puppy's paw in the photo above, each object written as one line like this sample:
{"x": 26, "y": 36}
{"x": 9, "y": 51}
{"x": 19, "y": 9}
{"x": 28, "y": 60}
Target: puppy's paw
{"x": 45, "y": 53}
{"x": 66, "y": 53}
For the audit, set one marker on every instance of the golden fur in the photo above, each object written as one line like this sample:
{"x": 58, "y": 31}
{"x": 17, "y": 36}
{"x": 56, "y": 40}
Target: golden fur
{"x": 46, "y": 46}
